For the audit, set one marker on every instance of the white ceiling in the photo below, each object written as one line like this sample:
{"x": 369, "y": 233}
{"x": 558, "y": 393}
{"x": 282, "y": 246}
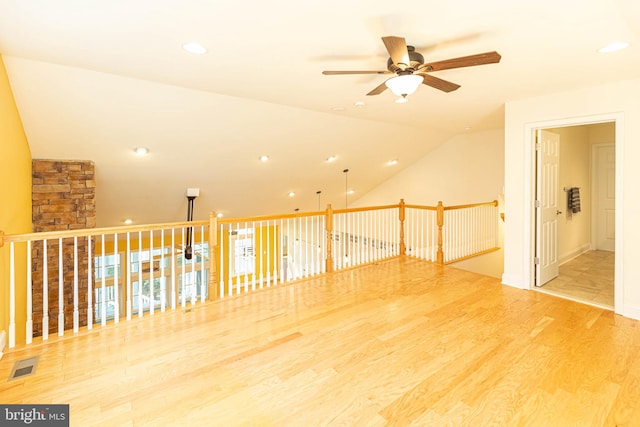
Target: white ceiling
{"x": 94, "y": 79}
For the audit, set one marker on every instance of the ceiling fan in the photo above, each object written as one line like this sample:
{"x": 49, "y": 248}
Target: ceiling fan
{"x": 411, "y": 71}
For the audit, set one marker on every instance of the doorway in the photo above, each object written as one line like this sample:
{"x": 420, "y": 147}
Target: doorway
{"x": 575, "y": 212}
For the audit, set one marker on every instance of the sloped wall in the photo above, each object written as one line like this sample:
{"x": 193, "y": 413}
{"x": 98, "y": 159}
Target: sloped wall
{"x": 15, "y": 196}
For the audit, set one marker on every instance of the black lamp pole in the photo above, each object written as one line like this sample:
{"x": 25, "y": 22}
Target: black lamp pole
{"x": 188, "y": 251}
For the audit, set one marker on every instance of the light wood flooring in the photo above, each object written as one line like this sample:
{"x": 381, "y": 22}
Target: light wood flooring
{"x": 587, "y": 278}
{"x": 400, "y": 343}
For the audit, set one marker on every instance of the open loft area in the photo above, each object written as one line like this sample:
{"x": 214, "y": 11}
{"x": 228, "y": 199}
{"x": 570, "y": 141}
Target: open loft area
{"x": 400, "y": 342}
{"x": 377, "y": 186}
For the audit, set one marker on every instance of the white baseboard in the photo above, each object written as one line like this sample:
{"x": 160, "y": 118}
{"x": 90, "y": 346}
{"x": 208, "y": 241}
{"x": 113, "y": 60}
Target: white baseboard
{"x": 3, "y": 342}
{"x": 513, "y": 281}
{"x": 631, "y": 311}
{"x": 574, "y": 253}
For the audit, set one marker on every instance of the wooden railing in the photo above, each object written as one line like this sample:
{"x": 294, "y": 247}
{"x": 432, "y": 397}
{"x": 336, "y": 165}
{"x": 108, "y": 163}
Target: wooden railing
{"x": 74, "y": 279}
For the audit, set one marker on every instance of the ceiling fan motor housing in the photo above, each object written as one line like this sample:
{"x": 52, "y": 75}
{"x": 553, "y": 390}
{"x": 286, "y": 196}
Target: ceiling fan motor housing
{"x": 415, "y": 60}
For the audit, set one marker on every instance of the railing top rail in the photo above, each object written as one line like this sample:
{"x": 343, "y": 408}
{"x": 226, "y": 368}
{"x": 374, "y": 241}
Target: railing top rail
{"x": 269, "y": 217}
{"x": 300, "y": 214}
{"x": 368, "y": 208}
{"x": 429, "y": 208}
{"x": 4, "y": 238}
{"x": 45, "y": 235}
{"x": 472, "y": 205}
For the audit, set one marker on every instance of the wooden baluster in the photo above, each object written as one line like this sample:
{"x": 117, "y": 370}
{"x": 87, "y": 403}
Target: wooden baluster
{"x": 116, "y": 283}
{"x": 163, "y": 292}
{"x": 202, "y": 265}
{"x": 76, "y": 312}
{"x": 151, "y": 278}
{"x": 194, "y": 284}
{"x": 223, "y": 236}
{"x": 273, "y": 259}
{"x": 12, "y": 296}
{"x": 173, "y": 269}
{"x": 140, "y": 302}
{"x": 127, "y": 261}
{"x": 45, "y": 291}
{"x": 440, "y": 223}
{"x": 214, "y": 291}
{"x": 29, "y": 328}
{"x": 60, "y": 289}
{"x": 103, "y": 290}
{"x": 183, "y": 273}
{"x": 90, "y": 286}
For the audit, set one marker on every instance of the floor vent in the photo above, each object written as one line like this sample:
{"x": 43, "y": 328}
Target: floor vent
{"x": 24, "y": 368}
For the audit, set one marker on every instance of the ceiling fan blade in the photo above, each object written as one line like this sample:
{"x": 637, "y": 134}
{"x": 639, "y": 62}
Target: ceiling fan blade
{"x": 331, "y": 73}
{"x": 379, "y": 89}
{"x": 438, "y": 83}
{"x": 397, "y": 47}
{"x": 464, "y": 61}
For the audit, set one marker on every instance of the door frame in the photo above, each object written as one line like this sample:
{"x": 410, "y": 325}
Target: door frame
{"x": 530, "y": 195}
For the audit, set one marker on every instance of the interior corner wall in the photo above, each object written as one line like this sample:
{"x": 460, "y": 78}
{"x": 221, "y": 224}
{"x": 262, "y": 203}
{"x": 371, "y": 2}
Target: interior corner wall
{"x": 15, "y": 198}
{"x": 617, "y": 100}
{"x": 468, "y": 168}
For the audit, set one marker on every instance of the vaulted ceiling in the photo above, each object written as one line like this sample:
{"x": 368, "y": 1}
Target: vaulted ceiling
{"x": 93, "y": 80}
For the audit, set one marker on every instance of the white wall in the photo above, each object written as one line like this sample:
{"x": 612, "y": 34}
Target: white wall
{"x": 617, "y": 101}
{"x": 468, "y": 168}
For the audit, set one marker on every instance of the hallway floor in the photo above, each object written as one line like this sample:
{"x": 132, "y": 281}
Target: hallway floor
{"x": 587, "y": 278}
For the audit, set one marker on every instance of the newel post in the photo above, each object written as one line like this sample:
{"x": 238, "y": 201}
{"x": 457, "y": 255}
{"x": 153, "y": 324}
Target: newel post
{"x": 329, "y": 236}
{"x": 440, "y": 223}
{"x": 213, "y": 256}
{"x": 403, "y": 248}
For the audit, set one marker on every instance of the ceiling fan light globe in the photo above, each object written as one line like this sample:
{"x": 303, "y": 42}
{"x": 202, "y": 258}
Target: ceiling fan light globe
{"x": 405, "y": 84}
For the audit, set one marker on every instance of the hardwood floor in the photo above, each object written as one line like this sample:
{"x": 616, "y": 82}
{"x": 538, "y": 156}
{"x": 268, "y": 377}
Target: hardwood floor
{"x": 400, "y": 343}
{"x": 588, "y": 278}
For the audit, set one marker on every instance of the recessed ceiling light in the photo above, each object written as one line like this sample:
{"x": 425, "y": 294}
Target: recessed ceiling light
{"x": 331, "y": 159}
{"x": 291, "y": 194}
{"x": 195, "y": 48}
{"x": 128, "y": 221}
{"x": 219, "y": 214}
{"x": 392, "y": 162}
{"x": 402, "y": 100}
{"x": 351, "y": 191}
{"x": 264, "y": 158}
{"x": 141, "y": 151}
{"x": 613, "y": 47}
{"x": 359, "y": 104}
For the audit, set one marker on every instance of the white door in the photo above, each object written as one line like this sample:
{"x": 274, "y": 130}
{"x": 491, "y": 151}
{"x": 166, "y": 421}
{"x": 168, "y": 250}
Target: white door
{"x": 605, "y": 196}
{"x": 547, "y": 209}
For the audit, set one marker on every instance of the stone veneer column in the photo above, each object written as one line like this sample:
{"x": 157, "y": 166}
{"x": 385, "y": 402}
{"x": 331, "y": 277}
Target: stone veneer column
{"x": 63, "y": 199}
